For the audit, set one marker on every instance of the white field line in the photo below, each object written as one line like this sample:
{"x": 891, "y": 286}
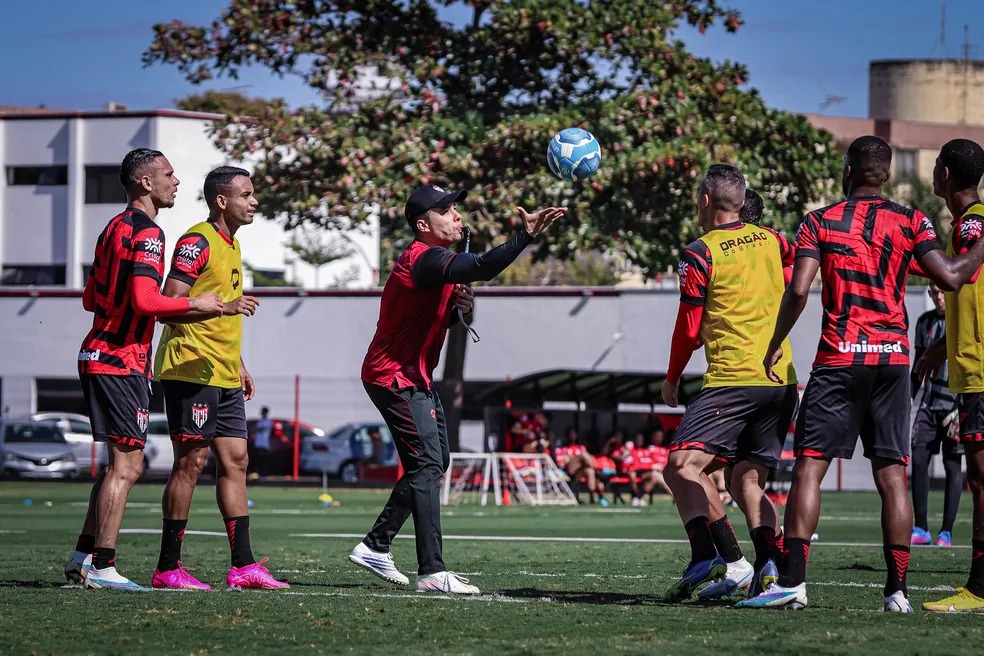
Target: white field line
{"x": 157, "y": 531}
{"x": 527, "y": 538}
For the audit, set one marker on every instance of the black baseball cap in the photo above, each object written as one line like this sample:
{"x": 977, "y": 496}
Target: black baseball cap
{"x": 427, "y": 197}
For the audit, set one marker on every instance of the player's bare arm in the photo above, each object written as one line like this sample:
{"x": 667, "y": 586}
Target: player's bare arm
{"x": 174, "y": 288}
{"x": 793, "y": 301}
{"x": 950, "y": 274}
{"x": 249, "y": 388}
{"x": 931, "y": 360}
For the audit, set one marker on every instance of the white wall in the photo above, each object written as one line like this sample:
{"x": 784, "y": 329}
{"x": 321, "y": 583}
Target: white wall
{"x": 35, "y": 221}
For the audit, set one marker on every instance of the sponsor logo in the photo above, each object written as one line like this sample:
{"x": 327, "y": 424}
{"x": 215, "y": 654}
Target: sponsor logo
{"x": 235, "y": 278}
{"x": 928, "y": 225}
{"x": 865, "y": 347}
{"x": 739, "y": 242}
{"x": 88, "y": 355}
{"x": 189, "y": 251}
{"x": 682, "y": 269}
{"x": 143, "y": 419}
{"x": 153, "y": 245}
{"x": 199, "y": 414}
{"x": 970, "y": 229}
{"x": 436, "y": 188}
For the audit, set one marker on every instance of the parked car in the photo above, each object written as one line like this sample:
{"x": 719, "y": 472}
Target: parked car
{"x": 159, "y": 454}
{"x": 35, "y": 449}
{"x": 78, "y": 433}
{"x": 340, "y": 452}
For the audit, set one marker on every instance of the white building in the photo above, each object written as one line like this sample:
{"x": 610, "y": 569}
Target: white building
{"x": 61, "y": 186}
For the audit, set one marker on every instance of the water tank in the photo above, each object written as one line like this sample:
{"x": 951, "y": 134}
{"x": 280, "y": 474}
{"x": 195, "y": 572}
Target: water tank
{"x": 931, "y": 90}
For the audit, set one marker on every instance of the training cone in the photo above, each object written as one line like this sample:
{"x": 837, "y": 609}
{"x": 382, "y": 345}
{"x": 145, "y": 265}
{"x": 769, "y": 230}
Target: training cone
{"x": 506, "y": 501}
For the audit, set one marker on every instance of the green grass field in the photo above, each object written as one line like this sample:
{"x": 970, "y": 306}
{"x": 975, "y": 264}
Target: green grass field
{"x": 542, "y": 594}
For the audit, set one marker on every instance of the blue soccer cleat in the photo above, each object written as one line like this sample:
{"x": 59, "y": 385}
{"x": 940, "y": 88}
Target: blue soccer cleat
{"x": 777, "y": 596}
{"x": 920, "y": 536}
{"x": 765, "y": 577}
{"x": 944, "y": 539}
{"x": 695, "y": 576}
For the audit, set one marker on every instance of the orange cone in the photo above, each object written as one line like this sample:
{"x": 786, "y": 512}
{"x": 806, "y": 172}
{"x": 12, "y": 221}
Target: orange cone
{"x": 506, "y": 501}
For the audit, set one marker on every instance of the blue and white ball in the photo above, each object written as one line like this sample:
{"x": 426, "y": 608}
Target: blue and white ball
{"x": 573, "y": 154}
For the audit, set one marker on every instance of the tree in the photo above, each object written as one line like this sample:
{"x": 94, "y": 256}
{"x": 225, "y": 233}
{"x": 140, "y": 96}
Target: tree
{"x": 318, "y": 248}
{"x": 477, "y": 103}
{"x": 480, "y": 100}
{"x": 230, "y": 103}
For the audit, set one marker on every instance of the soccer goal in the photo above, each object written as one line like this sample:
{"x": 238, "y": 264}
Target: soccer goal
{"x": 529, "y": 479}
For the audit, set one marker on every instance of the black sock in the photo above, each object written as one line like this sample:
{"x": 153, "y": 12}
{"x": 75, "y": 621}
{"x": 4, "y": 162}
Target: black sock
{"x": 701, "y": 542}
{"x": 237, "y": 529}
{"x": 171, "y": 537}
{"x": 764, "y": 539}
{"x": 976, "y": 581}
{"x": 85, "y": 543}
{"x": 794, "y": 563}
{"x": 897, "y": 562}
{"x": 103, "y": 557}
{"x": 725, "y": 540}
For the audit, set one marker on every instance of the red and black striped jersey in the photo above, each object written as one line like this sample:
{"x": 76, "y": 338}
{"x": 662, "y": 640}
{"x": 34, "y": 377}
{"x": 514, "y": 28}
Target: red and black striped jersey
{"x": 865, "y": 246}
{"x": 119, "y": 342}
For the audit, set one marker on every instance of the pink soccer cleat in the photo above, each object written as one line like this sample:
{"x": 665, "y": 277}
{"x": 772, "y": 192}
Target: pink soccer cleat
{"x": 177, "y": 579}
{"x": 254, "y": 576}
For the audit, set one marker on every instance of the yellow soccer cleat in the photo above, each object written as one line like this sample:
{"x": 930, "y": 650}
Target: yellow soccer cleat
{"x": 962, "y": 602}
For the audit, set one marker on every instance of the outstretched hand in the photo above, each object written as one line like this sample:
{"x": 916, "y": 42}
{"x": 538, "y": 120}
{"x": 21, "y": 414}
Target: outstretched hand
{"x": 539, "y": 221}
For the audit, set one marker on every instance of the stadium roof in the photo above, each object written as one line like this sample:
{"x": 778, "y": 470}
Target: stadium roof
{"x": 594, "y": 388}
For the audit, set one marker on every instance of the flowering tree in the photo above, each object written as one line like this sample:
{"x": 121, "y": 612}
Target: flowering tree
{"x": 410, "y": 98}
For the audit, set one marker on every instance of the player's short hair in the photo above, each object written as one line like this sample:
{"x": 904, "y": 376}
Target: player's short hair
{"x": 726, "y": 186}
{"x": 870, "y": 158}
{"x": 751, "y": 211}
{"x": 218, "y": 180}
{"x": 133, "y": 165}
{"x": 965, "y": 159}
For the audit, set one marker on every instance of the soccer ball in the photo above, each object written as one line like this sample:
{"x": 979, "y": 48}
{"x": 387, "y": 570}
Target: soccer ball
{"x": 573, "y": 154}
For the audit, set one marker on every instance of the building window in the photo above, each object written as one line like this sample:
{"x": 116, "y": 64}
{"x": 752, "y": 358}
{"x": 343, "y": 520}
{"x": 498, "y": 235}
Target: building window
{"x": 33, "y": 274}
{"x": 60, "y": 395}
{"x": 905, "y": 163}
{"x": 37, "y": 176}
{"x": 102, "y": 185}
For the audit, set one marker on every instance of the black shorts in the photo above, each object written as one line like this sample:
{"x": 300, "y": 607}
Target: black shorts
{"x": 842, "y": 403}
{"x": 929, "y": 433}
{"x": 203, "y": 412}
{"x": 118, "y": 407}
{"x": 738, "y": 423}
{"x": 971, "y": 406}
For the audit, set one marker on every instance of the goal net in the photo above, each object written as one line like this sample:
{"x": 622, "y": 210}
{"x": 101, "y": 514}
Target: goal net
{"x": 505, "y": 479}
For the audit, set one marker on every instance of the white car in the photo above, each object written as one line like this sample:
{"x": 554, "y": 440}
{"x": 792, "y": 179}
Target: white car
{"x": 160, "y": 455}
{"x": 340, "y": 452}
{"x": 78, "y": 434}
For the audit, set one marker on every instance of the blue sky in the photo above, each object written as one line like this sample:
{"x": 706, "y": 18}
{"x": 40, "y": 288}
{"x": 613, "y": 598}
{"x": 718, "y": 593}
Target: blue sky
{"x": 78, "y": 55}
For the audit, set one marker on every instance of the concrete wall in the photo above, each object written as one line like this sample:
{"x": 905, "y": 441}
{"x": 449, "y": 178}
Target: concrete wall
{"x": 927, "y": 90}
{"x": 324, "y": 339}
{"x": 53, "y": 225}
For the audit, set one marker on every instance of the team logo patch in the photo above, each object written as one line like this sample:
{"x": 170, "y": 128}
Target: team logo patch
{"x": 199, "y": 414}
{"x": 154, "y": 245}
{"x": 436, "y": 188}
{"x": 143, "y": 418}
{"x": 970, "y": 229}
{"x": 682, "y": 270}
{"x": 433, "y": 413}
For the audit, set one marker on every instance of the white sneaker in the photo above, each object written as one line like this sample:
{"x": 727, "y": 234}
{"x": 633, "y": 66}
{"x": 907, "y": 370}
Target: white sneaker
{"x": 73, "y": 568}
{"x": 447, "y": 582}
{"x": 777, "y": 596}
{"x": 380, "y": 564}
{"x": 897, "y": 603}
{"x": 739, "y": 577}
{"x": 110, "y": 579}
